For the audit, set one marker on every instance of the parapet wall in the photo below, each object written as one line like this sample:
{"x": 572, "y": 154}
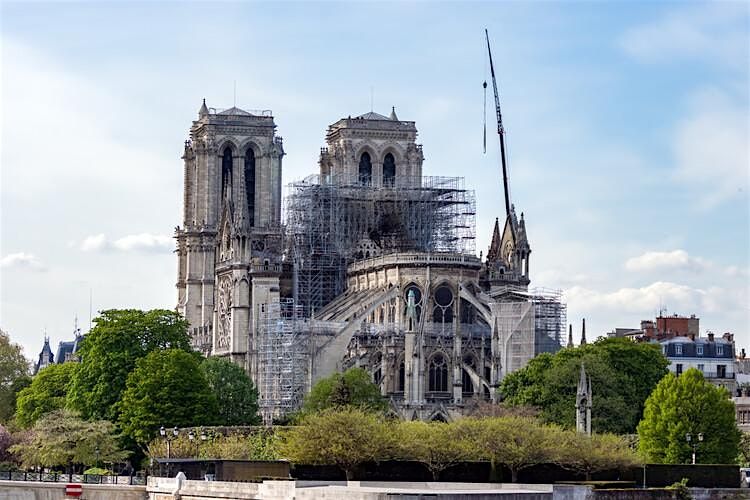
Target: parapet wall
{"x": 30, "y": 490}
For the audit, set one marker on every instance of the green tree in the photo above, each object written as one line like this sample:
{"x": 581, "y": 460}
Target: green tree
{"x": 437, "y": 445}
{"x": 235, "y": 392}
{"x": 589, "y": 454}
{"x": 14, "y": 372}
{"x": 110, "y": 350}
{"x": 62, "y": 438}
{"x": 47, "y": 392}
{"x": 623, "y": 373}
{"x": 688, "y": 404}
{"x": 351, "y": 388}
{"x": 346, "y": 436}
{"x": 513, "y": 441}
{"x": 166, "y": 388}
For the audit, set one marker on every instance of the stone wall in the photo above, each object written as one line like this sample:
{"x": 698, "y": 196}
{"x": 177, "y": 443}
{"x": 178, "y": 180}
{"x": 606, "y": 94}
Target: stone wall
{"x": 29, "y": 490}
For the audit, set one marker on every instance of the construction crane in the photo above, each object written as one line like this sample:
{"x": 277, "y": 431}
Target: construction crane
{"x": 500, "y": 129}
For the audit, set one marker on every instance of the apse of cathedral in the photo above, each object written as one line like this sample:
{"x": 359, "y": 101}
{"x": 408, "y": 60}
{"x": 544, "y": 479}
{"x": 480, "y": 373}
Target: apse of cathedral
{"x": 373, "y": 266}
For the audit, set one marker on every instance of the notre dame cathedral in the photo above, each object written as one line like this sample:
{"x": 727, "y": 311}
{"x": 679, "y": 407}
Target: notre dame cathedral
{"x": 373, "y": 265}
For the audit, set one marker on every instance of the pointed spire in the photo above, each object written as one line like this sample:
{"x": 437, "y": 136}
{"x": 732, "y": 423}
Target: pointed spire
{"x": 494, "y": 253}
{"x": 204, "y": 110}
{"x": 582, "y": 383}
{"x": 393, "y": 114}
{"x": 583, "y": 332}
{"x": 570, "y": 335}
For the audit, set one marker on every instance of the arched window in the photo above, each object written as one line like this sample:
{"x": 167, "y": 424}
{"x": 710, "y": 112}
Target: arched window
{"x": 438, "y": 374}
{"x": 250, "y": 184}
{"x": 226, "y": 172}
{"x": 417, "y": 301}
{"x": 389, "y": 170}
{"x": 443, "y": 311}
{"x": 365, "y": 169}
{"x": 401, "y": 377}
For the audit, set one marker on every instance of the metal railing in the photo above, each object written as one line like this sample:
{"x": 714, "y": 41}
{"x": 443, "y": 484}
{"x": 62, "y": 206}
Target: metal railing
{"x": 58, "y": 477}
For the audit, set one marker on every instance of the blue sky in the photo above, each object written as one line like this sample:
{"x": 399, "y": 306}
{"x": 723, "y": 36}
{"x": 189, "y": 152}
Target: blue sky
{"x": 627, "y": 130}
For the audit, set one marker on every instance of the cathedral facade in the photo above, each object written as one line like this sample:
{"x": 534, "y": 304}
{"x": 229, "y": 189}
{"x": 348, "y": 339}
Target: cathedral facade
{"x": 374, "y": 266}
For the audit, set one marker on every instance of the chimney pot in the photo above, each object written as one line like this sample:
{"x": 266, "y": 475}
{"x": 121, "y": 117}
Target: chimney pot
{"x": 710, "y": 337}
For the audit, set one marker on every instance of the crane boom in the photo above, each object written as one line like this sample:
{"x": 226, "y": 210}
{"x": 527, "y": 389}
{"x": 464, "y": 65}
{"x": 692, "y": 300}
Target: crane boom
{"x": 500, "y": 129}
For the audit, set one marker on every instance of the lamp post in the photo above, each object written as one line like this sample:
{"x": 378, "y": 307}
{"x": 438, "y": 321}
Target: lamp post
{"x": 96, "y": 450}
{"x": 169, "y": 436}
{"x": 694, "y": 444}
{"x": 191, "y": 437}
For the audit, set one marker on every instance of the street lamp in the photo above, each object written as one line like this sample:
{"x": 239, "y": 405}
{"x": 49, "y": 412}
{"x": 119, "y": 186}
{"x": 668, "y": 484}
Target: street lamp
{"x": 97, "y": 456}
{"x": 191, "y": 437}
{"x": 169, "y": 437}
{"x": 694, "y": 444}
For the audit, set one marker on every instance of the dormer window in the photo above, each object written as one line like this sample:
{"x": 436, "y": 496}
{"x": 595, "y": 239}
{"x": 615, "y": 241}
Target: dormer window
{"x": 678, "y": 349}
{"x": 699, "y": 350}
{"x": 719, "y": 350}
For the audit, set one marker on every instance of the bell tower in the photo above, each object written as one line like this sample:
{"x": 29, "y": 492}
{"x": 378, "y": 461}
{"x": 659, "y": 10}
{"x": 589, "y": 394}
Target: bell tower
{"x": 229, "y": 246}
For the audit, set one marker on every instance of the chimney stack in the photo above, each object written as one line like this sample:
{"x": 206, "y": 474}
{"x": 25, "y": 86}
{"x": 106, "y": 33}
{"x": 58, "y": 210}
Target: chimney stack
{"x": 710, "y": 336}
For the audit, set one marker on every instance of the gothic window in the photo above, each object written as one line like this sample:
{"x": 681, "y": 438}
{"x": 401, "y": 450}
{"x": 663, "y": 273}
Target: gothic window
{"x": 438, "y": 374}
{"x": 389, "y": 170}
{"x": 417, "y": 300}
{"x": 401, "y": 377}
{"x": 250, "y": 184}
{"x": 226, "y": 172}
{"x": 365, "y": 169}
{"x": 443, "y": 311}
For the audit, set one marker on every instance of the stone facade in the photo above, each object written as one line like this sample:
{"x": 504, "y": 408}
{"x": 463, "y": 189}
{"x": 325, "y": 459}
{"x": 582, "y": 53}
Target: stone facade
{"x": 229, "y": 247}
{"x": 472, "y": 321}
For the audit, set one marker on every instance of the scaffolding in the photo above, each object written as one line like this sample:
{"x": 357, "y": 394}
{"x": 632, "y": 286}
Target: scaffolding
{"x": 550, "y": 319}
{"x": 331, "y": 221}
{"x": 283, "y": 359}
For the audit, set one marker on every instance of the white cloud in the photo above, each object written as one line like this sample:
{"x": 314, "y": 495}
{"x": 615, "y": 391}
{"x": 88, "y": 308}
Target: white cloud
{"x": 710, "y": 147}
{"x": 644, "y": 299}
{"x": 21, "y": 259}
{"x": 676, "y": 259}
{"x": 714, "y": 32}
{"x": 736, "y": 271}
{"x": 95, "y": 243}
{"x": 648, "y": 299}
{"x": 143, "y": 242}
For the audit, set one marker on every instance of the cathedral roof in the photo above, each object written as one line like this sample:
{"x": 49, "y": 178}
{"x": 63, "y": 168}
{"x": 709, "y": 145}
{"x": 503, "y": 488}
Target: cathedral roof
{"x": 373, "y": 116}
{"x": 234, "y": 111}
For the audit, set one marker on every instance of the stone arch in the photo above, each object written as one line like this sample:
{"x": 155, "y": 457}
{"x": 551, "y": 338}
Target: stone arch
{"x": 244, "y": 292}
{"x": 438, "y": 415}
{"x": 228, "y": 142}
{"x": 251, "y": 143}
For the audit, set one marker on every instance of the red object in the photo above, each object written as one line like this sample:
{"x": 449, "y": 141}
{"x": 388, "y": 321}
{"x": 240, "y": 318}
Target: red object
{"x": 73, "y": 490}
